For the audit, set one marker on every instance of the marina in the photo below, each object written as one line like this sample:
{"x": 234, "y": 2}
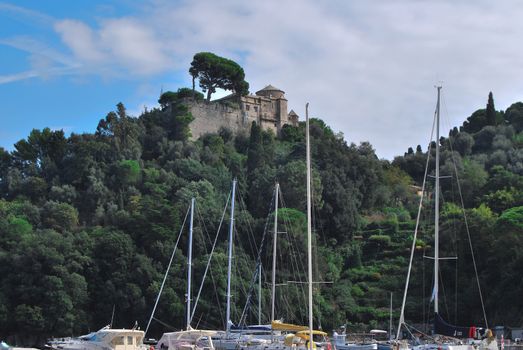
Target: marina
{"x": 165, "y": 183}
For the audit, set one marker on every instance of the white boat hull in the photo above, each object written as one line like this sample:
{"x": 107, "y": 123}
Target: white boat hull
{"x": 356, "y": 346}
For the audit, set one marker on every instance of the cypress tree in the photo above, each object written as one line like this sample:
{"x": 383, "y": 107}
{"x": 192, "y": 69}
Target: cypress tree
{"x": 255, "y": 154}
{"x": 491, "y": 111}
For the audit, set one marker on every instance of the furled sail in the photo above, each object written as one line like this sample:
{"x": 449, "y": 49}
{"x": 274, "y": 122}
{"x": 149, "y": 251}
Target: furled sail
{"x": 441, "y": 327}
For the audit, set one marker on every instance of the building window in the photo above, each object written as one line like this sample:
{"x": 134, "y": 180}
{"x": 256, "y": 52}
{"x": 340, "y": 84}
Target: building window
{"x": 256, "y": 108}
{"x": 247, "y": 107}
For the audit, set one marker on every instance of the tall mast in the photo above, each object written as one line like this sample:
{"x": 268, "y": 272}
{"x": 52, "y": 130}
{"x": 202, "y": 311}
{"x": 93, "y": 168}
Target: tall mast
{"x": 189, "y": 267}
{"x": 259, "y": 293}
{"x": 309, "y": 226}
{"x": 436, "y": 238}
{"x": 229, "y": 266}
{"x": 390, "y": 318}
{"x": 436, "y": 211}
{"x": 273, "y": 295}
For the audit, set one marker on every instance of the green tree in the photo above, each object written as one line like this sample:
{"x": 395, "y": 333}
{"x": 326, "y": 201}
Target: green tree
{"x": 169, "y": 97}
{"x": 42, "y": 152}
{"x": 475, "y": 122}
{"x": 123, "y": 132}
{"x": 255, "y": 158}
{"x": 483, "y": 139}
{"x": 490, "y": 112}
{"x": 59, "y": 216}
{"x": 514, "y": 115}
{"x": 5, "y": 164}
{"x": 47, "y": 294}
{"x": 217, "y": 72}
{"x": 127, "y": 172}
{"x": 473, "y": 178}
{"x": 463, "y": 143}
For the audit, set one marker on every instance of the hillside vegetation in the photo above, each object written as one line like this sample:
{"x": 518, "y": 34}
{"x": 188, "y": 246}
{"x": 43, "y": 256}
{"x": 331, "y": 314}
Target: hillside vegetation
{"x": 89, "y": 221}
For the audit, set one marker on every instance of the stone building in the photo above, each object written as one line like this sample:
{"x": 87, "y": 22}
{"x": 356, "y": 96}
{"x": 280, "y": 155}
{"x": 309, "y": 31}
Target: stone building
{"x": 268, "y": 108}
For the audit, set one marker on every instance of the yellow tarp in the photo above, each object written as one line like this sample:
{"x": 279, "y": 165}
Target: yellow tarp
{"x": 289, "y": 327}
{"x": 301, "y": 331}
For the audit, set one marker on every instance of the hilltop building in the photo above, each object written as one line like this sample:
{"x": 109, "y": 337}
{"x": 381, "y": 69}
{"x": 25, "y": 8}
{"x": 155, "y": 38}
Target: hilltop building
{"x": 268, "y": 108}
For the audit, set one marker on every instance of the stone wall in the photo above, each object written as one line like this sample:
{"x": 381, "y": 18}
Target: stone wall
{"x": 210, "y": 117}
{"x": 268, "y": 112}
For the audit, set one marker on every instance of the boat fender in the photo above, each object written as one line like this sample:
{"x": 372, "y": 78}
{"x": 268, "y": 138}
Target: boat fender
{"x": 472, "y": 332}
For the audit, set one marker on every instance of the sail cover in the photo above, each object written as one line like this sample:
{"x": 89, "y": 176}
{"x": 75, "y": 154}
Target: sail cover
{"x": 441, "y": 327}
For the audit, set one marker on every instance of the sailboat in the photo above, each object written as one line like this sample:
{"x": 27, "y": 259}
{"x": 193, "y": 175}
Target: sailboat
{"x": 105, "y": 338}
{"x": 230, "y": 339}
{"x": 188, "y": 339}
{"x": 290, "y": 336}
{"x": 299, "y": 337}
{"x": 197, "y": 339}
{"x": 251, "y": 334}
{"x": 449, "y": 337}
{"x": 235, "y": 337}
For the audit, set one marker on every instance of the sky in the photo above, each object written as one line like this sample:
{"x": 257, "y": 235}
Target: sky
{"x": 367, "y": 68}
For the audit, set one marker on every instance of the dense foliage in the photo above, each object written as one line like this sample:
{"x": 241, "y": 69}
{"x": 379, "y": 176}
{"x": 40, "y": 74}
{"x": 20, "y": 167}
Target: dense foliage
{"x": 88, "y": 222}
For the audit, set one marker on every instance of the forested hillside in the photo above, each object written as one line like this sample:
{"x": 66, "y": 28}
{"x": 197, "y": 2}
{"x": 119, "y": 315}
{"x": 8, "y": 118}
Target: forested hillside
{"x": 88, "y": 222}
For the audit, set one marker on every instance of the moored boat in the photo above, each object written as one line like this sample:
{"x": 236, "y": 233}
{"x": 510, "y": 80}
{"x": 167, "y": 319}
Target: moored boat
{"x": 191, "y": 339}
{"x": 106, "y": 338}
{"x": 342, "y": 342}
{"x": 446, "y": 336}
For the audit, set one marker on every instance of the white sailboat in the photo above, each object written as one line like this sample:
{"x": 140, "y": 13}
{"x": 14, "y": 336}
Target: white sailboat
{"x": 288, "y": 336}
{"x": 447, "y": 336}
{"x": 362, "y": 343}
{"x": 188, "y": 339}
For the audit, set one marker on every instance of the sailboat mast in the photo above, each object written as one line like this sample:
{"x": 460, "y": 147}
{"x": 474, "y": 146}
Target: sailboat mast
{"x": 390, "y": 318}
{"x": 273, "y": 295}
{"x": 189, "y": 266}
{"x": 309, "y": 226}
{"x": 259, "y": 293}
{"x": 229, "y": 266}
{"x": 436, "y": 210}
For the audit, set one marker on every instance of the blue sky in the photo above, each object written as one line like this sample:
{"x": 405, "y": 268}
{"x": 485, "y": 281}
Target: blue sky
{"x": 367, "y": 68}
{"x": 58, "y": 92}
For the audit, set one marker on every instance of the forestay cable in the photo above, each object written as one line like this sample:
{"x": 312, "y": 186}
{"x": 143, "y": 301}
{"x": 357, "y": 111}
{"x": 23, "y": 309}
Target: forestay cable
{"x": 167, "y": 272}
{"x": 210, "y": 257}
{"x": 402, "y": 314}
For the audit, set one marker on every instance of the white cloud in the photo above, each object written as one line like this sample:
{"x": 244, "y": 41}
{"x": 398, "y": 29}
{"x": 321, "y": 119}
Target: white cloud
{"x": 134, "y": 45}
{"x": 44, "y": 61}
{"x": 34, "y": 46}
{"x": 118, "y": 45}
{"x": 9, "y": 78}
{"x": 367, "y": 68}
{"x": 24, "y": 13}
{"x": 80, "y": 39}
